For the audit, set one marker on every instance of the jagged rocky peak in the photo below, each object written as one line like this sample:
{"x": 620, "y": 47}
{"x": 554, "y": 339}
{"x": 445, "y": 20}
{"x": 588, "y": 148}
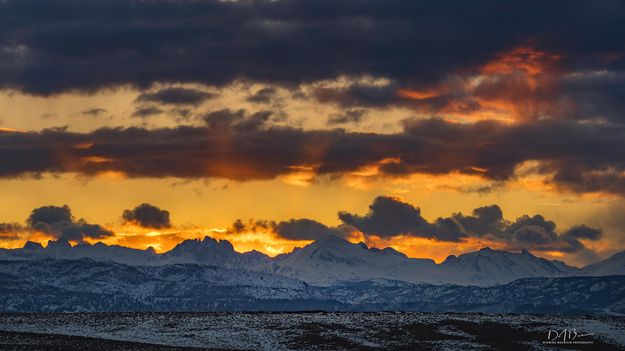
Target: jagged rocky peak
{"x": 206, "y": 250}
{"x": 32, "y": 246}
{"x": 206, "y": 243}
{"x": 450, "y": 259}
{"x": 59, "y": 244}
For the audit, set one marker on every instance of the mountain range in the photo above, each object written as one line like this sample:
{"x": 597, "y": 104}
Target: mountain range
{"x": 328, "y": 274}
{"x": 330, "y": 260}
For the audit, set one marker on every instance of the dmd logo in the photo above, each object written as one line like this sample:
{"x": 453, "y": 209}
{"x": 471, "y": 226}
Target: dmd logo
{"x": 568, "y": 337}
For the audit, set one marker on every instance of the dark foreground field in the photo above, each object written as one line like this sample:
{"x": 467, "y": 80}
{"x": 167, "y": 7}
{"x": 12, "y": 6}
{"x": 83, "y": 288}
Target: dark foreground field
{"x": 310, "y": 331}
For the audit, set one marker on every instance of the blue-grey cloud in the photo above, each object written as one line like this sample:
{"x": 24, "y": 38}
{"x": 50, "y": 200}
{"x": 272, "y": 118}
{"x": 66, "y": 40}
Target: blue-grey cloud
{"x": 390, "y": 217}
{"x": 176, "y": 96}
{"x": 147, "y": 216}
{"x": 59, "y": 222}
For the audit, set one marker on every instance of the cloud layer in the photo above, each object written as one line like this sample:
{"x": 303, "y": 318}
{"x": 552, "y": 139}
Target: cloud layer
{"x": 48, "y": 48}
{"x": 176, "y": 96}
{"x": 573, "y": 156}
{"x": 554, "y": 76}
{"x": 389, "y": 217}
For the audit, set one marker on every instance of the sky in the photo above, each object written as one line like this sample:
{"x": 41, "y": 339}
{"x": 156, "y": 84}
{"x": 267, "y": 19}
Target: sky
{"x": 433, "y": 127}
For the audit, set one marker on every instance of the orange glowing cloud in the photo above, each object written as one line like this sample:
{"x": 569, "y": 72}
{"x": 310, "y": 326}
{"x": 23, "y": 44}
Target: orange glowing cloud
{"x": 299, "y": 176}
{"x": 521, "y": 59}
{"x": 515, "y": 85}
{"x": 10, "y": 130}
{"x": 419, "y": 94}
{"x": 17, "y": 239}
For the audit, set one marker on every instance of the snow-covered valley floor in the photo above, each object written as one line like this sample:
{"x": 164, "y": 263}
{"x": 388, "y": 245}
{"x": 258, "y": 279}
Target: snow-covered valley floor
{"x": 310, "y": 331}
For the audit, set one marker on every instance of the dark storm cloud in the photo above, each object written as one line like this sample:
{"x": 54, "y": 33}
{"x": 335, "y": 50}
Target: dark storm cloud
{"x": 537, "y": 233}
{"x": 145, "y": 112}
{"x": 176, "y": 96}
{"x": 533, "y": 232}
{"x": 238, "y": 120}
{"x": 305, "y": 229}
{"x": 389, "y": 217}
{"x": 50, "y": 214}
{"x": 147, "y": 216}
{"x": 580, "y": 157}
{"x": 66, "y": 45}
{"x": 349, "y": 116}
{"x": 263, "y": 96}
{"x": 10, "y": 227}
{"x": 356, "y": 96}
{"x": 360, "y": 94}
{"x": 9, "y": 231}
{"x": 293, "y": 229}
{"x": 94, "y": 112}
{"x": 60, "y": 223}
{"x": 596, "y": 94}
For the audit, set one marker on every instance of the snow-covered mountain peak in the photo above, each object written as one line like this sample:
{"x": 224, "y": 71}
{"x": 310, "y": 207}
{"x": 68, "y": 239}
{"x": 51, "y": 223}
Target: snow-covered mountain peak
{"x": 613, "y": 265}
{"x": 214, "y": 252}
{"x": 201, "y": 250}
{"x": 489, "y": 266}
{"x": 333, "y": 259}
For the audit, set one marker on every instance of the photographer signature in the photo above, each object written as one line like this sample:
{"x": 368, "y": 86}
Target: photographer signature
{"x": 567, "y": 336}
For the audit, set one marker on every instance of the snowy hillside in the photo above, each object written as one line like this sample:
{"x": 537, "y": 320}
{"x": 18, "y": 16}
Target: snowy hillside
{"x": 54, "y": 285}
{"x": 613, "y": 265}
{"x": 567, "y": 295}
{"x": 86, "y": 285}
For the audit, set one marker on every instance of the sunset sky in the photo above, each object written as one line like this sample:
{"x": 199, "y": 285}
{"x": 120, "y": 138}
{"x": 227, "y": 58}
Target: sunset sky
{"x": 434, "y": 127}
